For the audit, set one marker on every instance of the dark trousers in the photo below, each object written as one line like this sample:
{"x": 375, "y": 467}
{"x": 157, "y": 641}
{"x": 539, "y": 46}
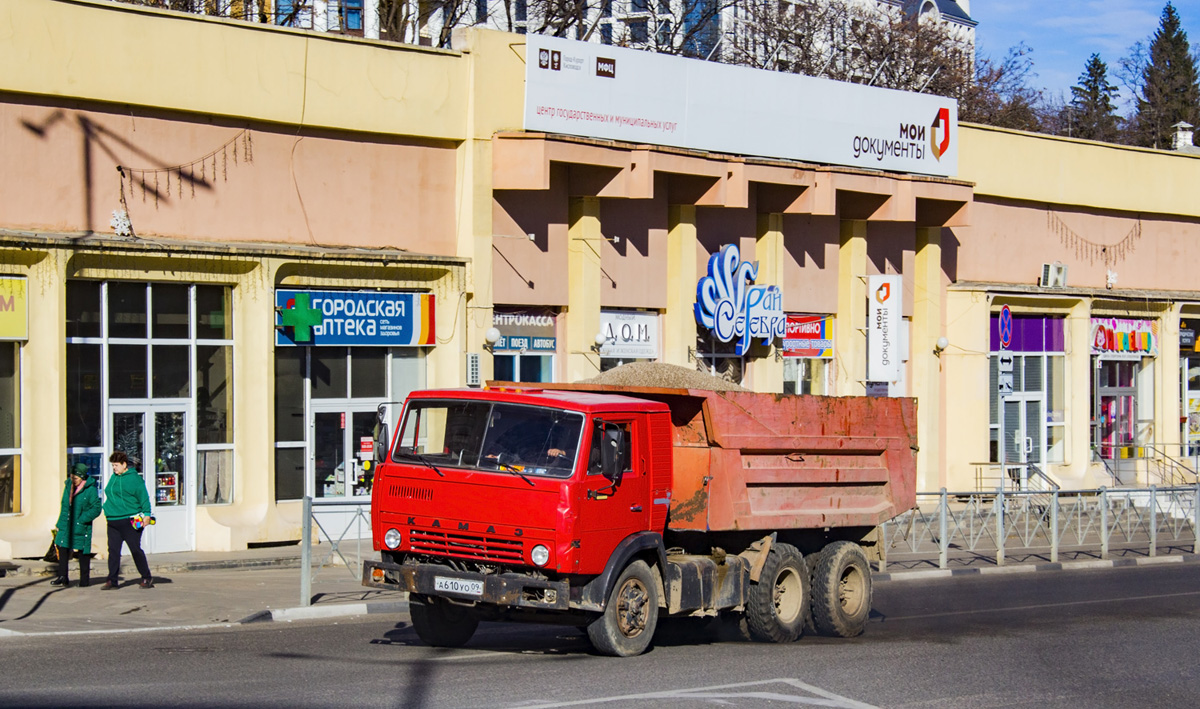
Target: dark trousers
{"x": 121, "y": 531}
{"x": 85, "y": 565}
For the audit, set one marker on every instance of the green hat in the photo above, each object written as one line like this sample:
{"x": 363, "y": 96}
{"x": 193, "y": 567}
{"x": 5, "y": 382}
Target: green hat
{"x": 79, "y": 469}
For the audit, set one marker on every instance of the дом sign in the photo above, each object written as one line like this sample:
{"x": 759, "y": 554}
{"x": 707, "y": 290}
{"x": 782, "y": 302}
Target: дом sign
{"x": 732, "y": 307}
{"x": 596, "y": 90}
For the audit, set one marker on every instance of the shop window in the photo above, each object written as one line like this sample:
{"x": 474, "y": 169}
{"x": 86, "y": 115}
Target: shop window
{"x": 607, "y": 363}
{"x": 83, "y": 395}
{"x": 83, "y": 309}
{"x": 214, "y": 471}
{"x": 718, "y": 358}
{"x": 289, "y": 473}
{"x": 149, "y": 350}
{"x": 1191, "y": 404}
{"x": 127, "y": 310}
{"x": 325, "y": 408}
{"x": 169, "y": 311}
{"x": 172, "y": 375}
{"x": 214, "y": 394}
{"x": 805, "y": 375}
{"x": 10, "y": 427}
{"x": 523, "y": 368}
{"x": 329, "y": 372}
{"x": 127, "y": 371}
{"x": 290, "y": 385}
{"x": 214, "y": 313}
{"x": 368, "y": 372}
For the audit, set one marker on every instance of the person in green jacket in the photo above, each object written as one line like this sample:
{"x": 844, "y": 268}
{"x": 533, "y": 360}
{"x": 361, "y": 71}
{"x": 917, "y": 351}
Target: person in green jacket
{"x": 73, "y": 531}
{"x": 127, "y": 509}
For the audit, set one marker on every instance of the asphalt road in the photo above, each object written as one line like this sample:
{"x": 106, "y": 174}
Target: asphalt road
{"x": 1104, "y": 638}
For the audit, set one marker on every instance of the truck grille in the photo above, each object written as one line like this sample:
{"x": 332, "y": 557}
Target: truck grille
{"x": 411, "y": 492}
{"x": 467, "y": 546}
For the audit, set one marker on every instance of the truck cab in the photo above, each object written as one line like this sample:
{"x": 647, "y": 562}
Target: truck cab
{"x": 509, "y": 501}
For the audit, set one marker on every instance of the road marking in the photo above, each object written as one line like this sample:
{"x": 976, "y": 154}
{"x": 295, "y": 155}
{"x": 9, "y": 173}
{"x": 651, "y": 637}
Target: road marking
{"x": 1039, "y": 606}
{"x": 110, "y": 631}
{"x": 824, "y": 698}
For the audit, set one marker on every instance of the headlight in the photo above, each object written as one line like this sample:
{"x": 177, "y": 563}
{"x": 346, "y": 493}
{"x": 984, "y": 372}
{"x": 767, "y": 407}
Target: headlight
{"x": 539, "y": 555}
{"x": 392, "y": 539}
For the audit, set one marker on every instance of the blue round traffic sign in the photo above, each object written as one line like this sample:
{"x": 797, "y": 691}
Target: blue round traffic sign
{"x": 1006, "y": 327}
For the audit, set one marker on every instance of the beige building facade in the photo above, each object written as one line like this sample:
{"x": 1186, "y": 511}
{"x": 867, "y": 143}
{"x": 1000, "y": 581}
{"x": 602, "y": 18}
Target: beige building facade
{"x": 197, "y": 266}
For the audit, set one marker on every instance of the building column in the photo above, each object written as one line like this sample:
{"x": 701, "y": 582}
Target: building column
{"x": 852, "y": 309}
{"x": 1079, "y": 398}
{"x": 679, "y": 323}
{"x": 770, "y": 254}
{"x": 925, "y": 364}
{"x": 1170, "y": 385}
{"x": 583, "y": 288}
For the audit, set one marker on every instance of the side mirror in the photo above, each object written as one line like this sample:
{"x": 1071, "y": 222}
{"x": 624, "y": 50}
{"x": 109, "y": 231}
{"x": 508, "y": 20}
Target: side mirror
{"x": 381, "y": 434}
{"x": 612, "y": 463}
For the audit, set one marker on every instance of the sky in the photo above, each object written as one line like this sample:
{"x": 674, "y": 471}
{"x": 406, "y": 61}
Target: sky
{"x": 1064, "y": 33}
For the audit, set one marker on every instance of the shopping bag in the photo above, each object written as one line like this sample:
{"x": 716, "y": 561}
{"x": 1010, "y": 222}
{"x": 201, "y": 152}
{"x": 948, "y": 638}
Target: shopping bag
{"x": 51, "y": 553}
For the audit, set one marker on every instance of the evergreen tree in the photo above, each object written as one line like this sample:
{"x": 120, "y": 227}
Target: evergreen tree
{"x": 1169, "y": 90}
{"x": 1091, "y": 114}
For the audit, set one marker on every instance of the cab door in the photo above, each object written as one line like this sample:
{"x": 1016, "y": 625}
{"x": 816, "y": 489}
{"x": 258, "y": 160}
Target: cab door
{"x": 610, "y": 511}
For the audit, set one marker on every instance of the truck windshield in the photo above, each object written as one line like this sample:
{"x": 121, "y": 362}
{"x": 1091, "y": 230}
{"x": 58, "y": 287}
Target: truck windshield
{"x": 505, "y": 438}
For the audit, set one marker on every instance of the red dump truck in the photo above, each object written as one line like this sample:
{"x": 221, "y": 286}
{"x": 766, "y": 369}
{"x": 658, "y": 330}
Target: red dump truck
{"x": 610, "y": 507}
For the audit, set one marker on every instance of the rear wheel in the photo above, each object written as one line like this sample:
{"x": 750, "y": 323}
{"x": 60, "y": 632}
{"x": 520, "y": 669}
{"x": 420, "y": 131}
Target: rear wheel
{"x": 778, "y": 603}
{"x": 441, "y": 623}
{"x": 841, "y": 589}
{"x": 631, "y": 615}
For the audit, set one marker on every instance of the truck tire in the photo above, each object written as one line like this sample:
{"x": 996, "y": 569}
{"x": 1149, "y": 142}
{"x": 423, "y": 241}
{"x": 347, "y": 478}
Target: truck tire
{"x": 778, "y": 603}
{"x": 841, "y": 591}
{"x": 440, "y": 623}
{"x": 631, "y": 615}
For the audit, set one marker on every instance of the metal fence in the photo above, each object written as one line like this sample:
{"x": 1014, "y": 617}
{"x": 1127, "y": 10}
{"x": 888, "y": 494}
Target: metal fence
{"x": 993, "y": 525}
{"x": 343, "y": 524}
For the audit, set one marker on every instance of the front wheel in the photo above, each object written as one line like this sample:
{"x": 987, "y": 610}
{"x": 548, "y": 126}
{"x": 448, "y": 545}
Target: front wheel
{"x": 841, "y": 587}
{"x": 440, "y": 623}
{"x": 631, "y": 615}
{"x": 778, "y": 603}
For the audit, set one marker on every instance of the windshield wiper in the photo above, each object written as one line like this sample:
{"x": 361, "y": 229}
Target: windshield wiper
{"x": 424, "y": 461}
{"x": 515, "y": 471}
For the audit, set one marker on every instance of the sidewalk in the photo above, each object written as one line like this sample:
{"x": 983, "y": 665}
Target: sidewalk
{"x": 204, "y": 589}
{"x": 191, "y": 589}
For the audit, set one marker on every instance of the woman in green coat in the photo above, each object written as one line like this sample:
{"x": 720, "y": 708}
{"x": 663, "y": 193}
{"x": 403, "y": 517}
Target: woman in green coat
{"x": 73, "y": 532}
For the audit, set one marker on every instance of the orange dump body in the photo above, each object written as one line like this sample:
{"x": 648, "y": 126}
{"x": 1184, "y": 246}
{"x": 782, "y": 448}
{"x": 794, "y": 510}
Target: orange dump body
{"x": 750, "y": 461}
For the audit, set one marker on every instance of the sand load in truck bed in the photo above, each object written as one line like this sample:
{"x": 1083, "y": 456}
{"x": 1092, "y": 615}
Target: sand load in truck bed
{"x": 751, "y": 461}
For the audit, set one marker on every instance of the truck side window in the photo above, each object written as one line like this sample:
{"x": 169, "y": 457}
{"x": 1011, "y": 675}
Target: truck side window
{"x": 612, "y": 446}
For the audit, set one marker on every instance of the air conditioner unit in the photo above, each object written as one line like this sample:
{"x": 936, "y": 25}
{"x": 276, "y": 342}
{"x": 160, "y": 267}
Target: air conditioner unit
{"x": 1054, "y": 275}
{"x": 473, "y": 376}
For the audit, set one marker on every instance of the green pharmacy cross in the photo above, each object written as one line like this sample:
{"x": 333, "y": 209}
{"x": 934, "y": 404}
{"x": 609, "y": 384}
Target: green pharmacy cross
{"x": 301, "y": 317}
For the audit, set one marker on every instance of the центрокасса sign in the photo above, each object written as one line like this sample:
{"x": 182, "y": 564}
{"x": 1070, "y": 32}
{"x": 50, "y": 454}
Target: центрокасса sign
{"x": 597, "y": 90}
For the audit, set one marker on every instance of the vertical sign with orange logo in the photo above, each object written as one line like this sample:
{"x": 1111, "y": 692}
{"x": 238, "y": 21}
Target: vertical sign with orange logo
{"x": 14, "y": 311}
{"x": 883, "y": 328}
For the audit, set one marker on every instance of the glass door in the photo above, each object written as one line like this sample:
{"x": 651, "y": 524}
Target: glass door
{"x": 341, "y": 437}
{"x": 1022, "y": 428}
{"x": 155, "y": 437}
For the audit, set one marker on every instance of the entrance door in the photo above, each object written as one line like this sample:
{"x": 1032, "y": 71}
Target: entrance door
{"x": 1022, "y": 429}
{"x": 155, "y": 437}
{"x": 341, "y": 436}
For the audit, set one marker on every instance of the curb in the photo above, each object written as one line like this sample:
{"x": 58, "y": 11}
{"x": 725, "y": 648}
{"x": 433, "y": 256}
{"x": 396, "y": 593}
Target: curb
{"x": 927, "y": 574}
{"x": 340, "y": 610}
{"x": 42, "y": 568}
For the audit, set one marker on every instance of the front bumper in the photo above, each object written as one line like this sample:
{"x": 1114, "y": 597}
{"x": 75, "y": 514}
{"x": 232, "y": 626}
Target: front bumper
{"x": 509, "y": 590}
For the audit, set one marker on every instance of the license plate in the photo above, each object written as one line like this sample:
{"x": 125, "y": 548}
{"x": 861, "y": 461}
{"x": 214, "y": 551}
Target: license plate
{"x": 463, "y": 586}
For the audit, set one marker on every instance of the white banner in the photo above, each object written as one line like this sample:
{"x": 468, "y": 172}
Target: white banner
{"x": 629, "y": 334}
{"x": 597, "y": 90}
{"x": 883, "y": 328}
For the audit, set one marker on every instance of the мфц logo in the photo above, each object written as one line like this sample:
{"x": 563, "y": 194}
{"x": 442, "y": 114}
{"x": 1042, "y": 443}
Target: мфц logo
{"x": 883, "y": 292}
{"x": 942, "y": 119}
